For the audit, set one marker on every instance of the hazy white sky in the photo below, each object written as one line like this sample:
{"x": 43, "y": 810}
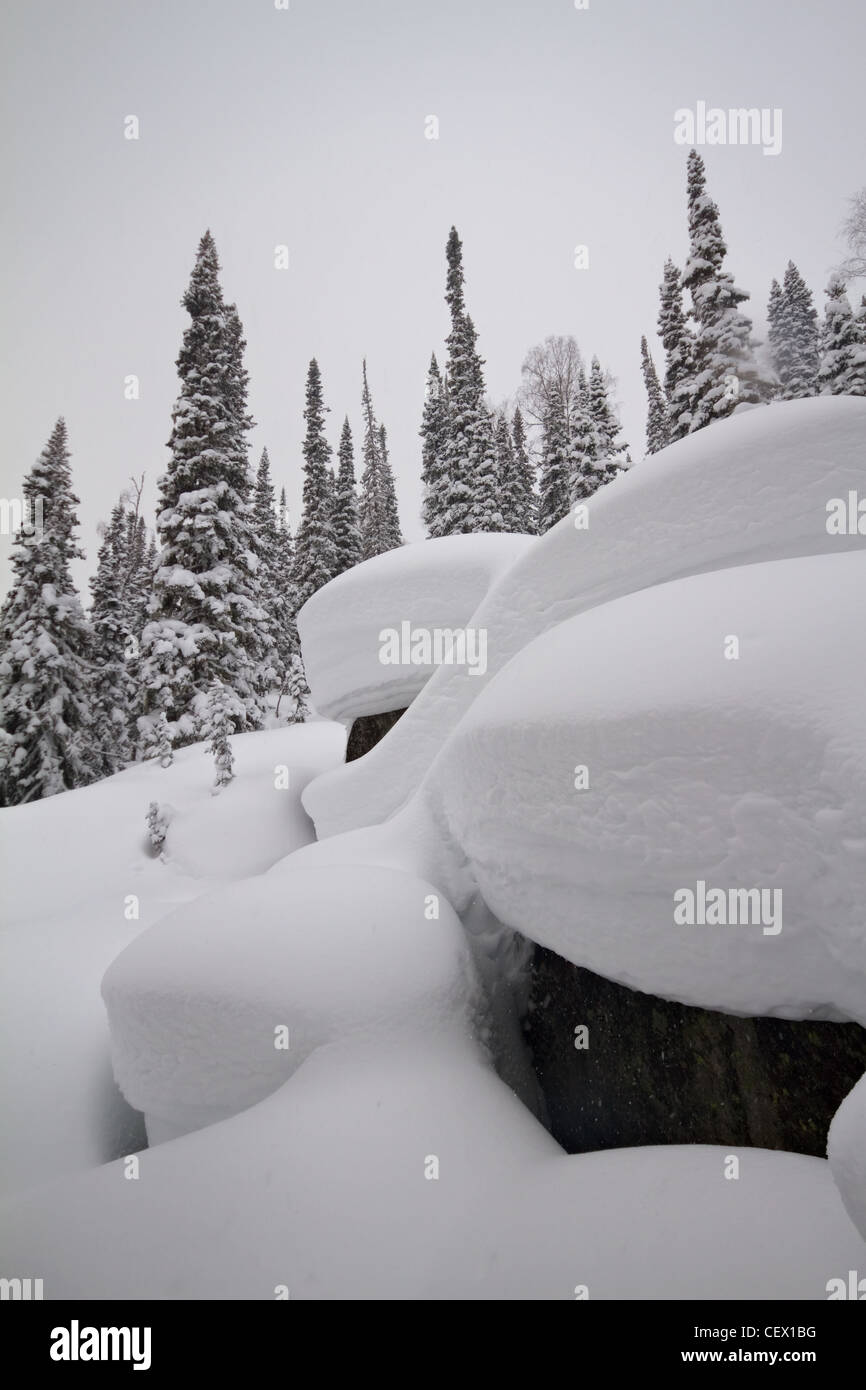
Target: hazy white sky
{"x": 307, "y": 127}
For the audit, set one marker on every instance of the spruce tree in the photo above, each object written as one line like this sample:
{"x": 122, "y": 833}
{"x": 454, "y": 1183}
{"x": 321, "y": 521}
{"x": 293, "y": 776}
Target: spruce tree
{"x": 297, "y": 691}
{"x": 434, "y": 433}
{"x": 778, "y": 336}
{"x": 609, "y": 450}
{"x": 557, "y": 470}
{"x": 377, "y": 509}
{"x": 111, "y": 619}
{"x": 49, "y": 742}
{"x": 268, "y": 580}
{"x": 657, "y": 424}
{"x": 793, "y": 336}
{"x": 347, "y": 530}
{"x": 157, "y": 826}
{"x": 392, "y": 517}
{"x": 286, "y": 602}
{"x": 805, "y": 335}
{"x": 264, "y": 511}
{"x": 219, "y": 714}
{"x": 590, "y": 468}
{"x": 843, "y": 351}
{"x": 471, "y": 503}
{"x": 724, "y": 372}
{"x": 508, "y": 479}
{"x": 205, "y": 621}
{"x": 528, "y": 513}
{"x": 285, "y": 564}
{"x": 140, "y": 550}
{"x": 160, "y": 745}
{"x": 678, "y": 344}
{"x": 315, "y": 556}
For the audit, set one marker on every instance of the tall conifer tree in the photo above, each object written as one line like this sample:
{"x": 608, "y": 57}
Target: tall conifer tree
{"x": 658, "y": 424}
{"x": 377, "y": 510}
{"x": 843, "y": 355}
{"x": 724, "y": 371}
{"x": 49, "y": 742}
{"x": 347, "y": 530}
{"x": 315, "y": 555}
{"x": 434, "y": 433}
{"x": 678, "y": 344}
{"x": 205, "y": 620}
{"x": 470, "y": 457}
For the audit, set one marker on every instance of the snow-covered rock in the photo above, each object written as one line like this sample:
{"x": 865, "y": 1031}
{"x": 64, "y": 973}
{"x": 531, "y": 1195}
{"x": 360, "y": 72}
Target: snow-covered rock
{"x": 846, "y": 1150}
{"x": 434, "y": 584}
{"x": 627, "y": 757}
{"x": 753, "y": 487}
{"x": 217, "y": 1005}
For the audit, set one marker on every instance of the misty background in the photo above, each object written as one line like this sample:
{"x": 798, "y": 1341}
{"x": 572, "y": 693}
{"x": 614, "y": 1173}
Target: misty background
{"x": 306, "y": 127}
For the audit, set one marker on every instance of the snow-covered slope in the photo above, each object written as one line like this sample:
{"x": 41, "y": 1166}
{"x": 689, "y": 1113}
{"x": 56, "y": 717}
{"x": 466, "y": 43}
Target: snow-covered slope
{"x": 78, "y": 884}
{"x": 740, "y": 773}
{"x": 754, "y": 487}
{"x": 430, "y": 584}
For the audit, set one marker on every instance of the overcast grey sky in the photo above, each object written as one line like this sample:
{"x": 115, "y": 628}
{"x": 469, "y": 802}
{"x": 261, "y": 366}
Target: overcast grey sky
{"x": 307, "y": 127}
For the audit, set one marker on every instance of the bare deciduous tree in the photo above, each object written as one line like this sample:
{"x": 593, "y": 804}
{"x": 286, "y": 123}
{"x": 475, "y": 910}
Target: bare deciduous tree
{"x": 551, "y": 377}
{"x": 854, "y": 231}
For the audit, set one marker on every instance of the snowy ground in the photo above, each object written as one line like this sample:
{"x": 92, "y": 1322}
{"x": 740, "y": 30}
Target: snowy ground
{"x": 380, "y": 1154}
{"x": 322, "y": 1189}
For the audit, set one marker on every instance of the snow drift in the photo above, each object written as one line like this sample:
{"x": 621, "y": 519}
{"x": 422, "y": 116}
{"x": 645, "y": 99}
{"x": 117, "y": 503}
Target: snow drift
{"x": 79, "y": 884}
{"x": 327, "y": 1189}
{"x": 220, "y": 1003}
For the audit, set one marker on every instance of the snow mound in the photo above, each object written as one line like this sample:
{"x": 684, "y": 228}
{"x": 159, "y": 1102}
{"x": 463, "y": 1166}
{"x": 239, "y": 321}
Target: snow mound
{"x": 753, "y": 487}
{"x": 216, "y": 1006}
{"x": 430, "y": 584}
{"x": 258, "y": 818}
{"x": 328, "y": 1190}
{"x": 846, "y": 1150}
{"x": 79, "y": 883}
{"x": 738, "y": 774}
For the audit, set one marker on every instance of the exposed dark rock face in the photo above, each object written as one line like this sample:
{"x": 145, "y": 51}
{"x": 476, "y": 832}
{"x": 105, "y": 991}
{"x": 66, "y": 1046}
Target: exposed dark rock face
{"x": 656, "y": 1072}
{"x": 366, "y": 732}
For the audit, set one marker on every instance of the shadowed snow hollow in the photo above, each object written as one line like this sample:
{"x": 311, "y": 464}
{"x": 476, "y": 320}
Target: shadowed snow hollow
{"x": 754, "y": 487}
{"x": 705, "y": 732}
{"x": 430, "y": 584}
